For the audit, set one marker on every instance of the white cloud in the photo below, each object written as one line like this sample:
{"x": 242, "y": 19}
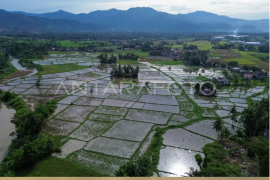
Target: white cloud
{"x": 246, "y": 9}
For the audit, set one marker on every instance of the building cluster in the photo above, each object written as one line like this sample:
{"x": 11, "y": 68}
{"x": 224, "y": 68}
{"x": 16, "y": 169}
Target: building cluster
{"x": 221, "y": 81}
{"x": 250, "y": 74}
{"x": 223, "y": 38}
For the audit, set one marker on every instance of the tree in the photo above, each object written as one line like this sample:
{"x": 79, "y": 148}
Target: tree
{"x": 255, "y": 118}
{"x": 199, "y": 160}
{"x": 217, "y": 125}
{"x": 192, "y": 172}
{"x": 197, "y": 86}
{"x": 233, "y": 112}
{"x": 224, "y": 133}
{"x": 245, "y": 67}
{"x": 225, "y": 73}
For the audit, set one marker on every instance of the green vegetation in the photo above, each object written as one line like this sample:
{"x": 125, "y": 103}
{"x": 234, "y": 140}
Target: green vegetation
{"x": 6, "y": 68}
{"x": 30, "y": 64}
{"x": 80, "y": 44}
{"x": 60, "y": 52}
{"x": 131, "y": 56}
{"x": 9, "y": 69}
{"x": 167, "y": 62}
{"x": 134, "y": 169}
{"x": 28, "y": 147}
{"x": 56, "y": 167}
{"x": 104, "y": 58}
{"x": 58, "y": 68}
{"x": 256, "y": 121}
{"x": 125, "y": 71}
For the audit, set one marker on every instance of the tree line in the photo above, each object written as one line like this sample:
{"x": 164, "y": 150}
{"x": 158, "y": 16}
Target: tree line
{"x": 125, "y": 71}
{"x": 28, "y": 147}
{"x": 131, "y": 56}
{"x": 104, "y": 58}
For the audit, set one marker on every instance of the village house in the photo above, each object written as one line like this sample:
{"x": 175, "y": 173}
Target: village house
{"x": 236, "y": 69}
{"x": 257, "y": 74}
{"x": 260, "y": 74}
{"x": 221, "y": 81}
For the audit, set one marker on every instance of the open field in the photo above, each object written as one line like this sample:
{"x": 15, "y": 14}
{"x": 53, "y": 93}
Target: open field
{"x": 49, "y": 69}
{"x": 105, "y": 121}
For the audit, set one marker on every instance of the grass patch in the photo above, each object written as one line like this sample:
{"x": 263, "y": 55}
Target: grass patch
{"x": 202, "y": 45}
{"x": 58, "y": 68}
{"x": 9, "y": 70}
{"x": 68, "y": 43}
{"x": 168, "y": 62}
{"x": 241, "y": 61}
{"x": 56, "y": 167}
{"x": 60, "y": 52}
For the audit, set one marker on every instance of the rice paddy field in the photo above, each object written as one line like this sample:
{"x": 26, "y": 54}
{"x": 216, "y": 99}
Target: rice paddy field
{"x": 99, "y": 130}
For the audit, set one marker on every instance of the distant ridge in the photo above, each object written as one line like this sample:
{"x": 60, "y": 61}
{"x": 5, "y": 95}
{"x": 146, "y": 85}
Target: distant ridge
{"x": 133, "y": 19}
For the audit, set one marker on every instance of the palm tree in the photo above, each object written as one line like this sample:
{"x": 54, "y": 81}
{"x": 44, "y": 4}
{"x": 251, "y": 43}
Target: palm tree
{"x": 224, "y": 134}
{"x": 233, "y": 112}
{"x": 191, "y": 173}
{"x": 217, "y": 125}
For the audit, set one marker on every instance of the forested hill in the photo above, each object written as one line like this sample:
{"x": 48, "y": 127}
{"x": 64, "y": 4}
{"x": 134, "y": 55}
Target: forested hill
{"x": 133, "y": 19}
{"x": 23, "y": 22}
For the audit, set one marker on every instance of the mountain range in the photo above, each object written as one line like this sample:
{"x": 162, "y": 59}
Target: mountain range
{"x": 133, "y": 19}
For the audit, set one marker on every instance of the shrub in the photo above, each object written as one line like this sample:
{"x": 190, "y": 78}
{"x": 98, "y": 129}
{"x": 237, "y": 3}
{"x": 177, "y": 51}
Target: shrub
{"x": 134, "y": 169}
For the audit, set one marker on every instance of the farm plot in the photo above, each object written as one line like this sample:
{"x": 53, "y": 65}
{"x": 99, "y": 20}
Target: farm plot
{"x": 125, "y": 97}
{"x": 90, "y": 130}
{"x": 17, "y": 90}
{"x": 129, "y": 130}
{"x": 148, "y": 116}
{"x": 89, "y": 101}
{"x": 184, "y": 139}
{"x": 35, "y": 91}
{"x": 164, "y": 108}
{"x": 104, "y": 117}
{"x": 137, "y": 105}
{"x": 113, "y": 147}
{"x": 222, "y": 113}
{"x": 237, "y": 100}
{"x": 25, "y": 86}
{"x": 60, "y": 107}
{"x": 178, "y": 119}
{"x": 111, "y": 110}
{"x": 186, "y": 106}
{"x": 115, "y": 103}
{"x": 181, "y": 98}
{"x": 189, "y": 114}
{"x": 60, "y": 128}
{"x": 106, "y": 165}
{"x": 69, "y": 99}
{"x": 75, "y": 113}
{"x": 177, "y": 161}
{"x": 207, "y": 112}
{"x": 94, "y": 94}
{"x": 204, "y": 128}
{"x": 157, "y": 99}
{"x": 71, "y": 146}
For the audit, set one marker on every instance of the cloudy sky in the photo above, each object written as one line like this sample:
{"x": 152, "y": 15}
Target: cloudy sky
{"x": 244, "y": 9}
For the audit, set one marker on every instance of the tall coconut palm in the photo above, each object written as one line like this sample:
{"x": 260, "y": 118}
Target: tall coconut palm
{"x": 233, "y": 112}
{"x": 218, "y": 125}
{"x": 224, "y": 134}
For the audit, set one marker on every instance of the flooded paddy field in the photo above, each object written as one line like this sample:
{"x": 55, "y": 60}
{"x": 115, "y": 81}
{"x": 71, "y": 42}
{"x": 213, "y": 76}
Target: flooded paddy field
{"x": 105, "y": 122}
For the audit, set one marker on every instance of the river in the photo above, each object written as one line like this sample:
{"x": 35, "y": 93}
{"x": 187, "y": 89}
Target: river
{"x": 6, "y": 127}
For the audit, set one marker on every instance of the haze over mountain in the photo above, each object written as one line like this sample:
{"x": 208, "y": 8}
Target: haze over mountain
{"x": 133, "y": 19}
